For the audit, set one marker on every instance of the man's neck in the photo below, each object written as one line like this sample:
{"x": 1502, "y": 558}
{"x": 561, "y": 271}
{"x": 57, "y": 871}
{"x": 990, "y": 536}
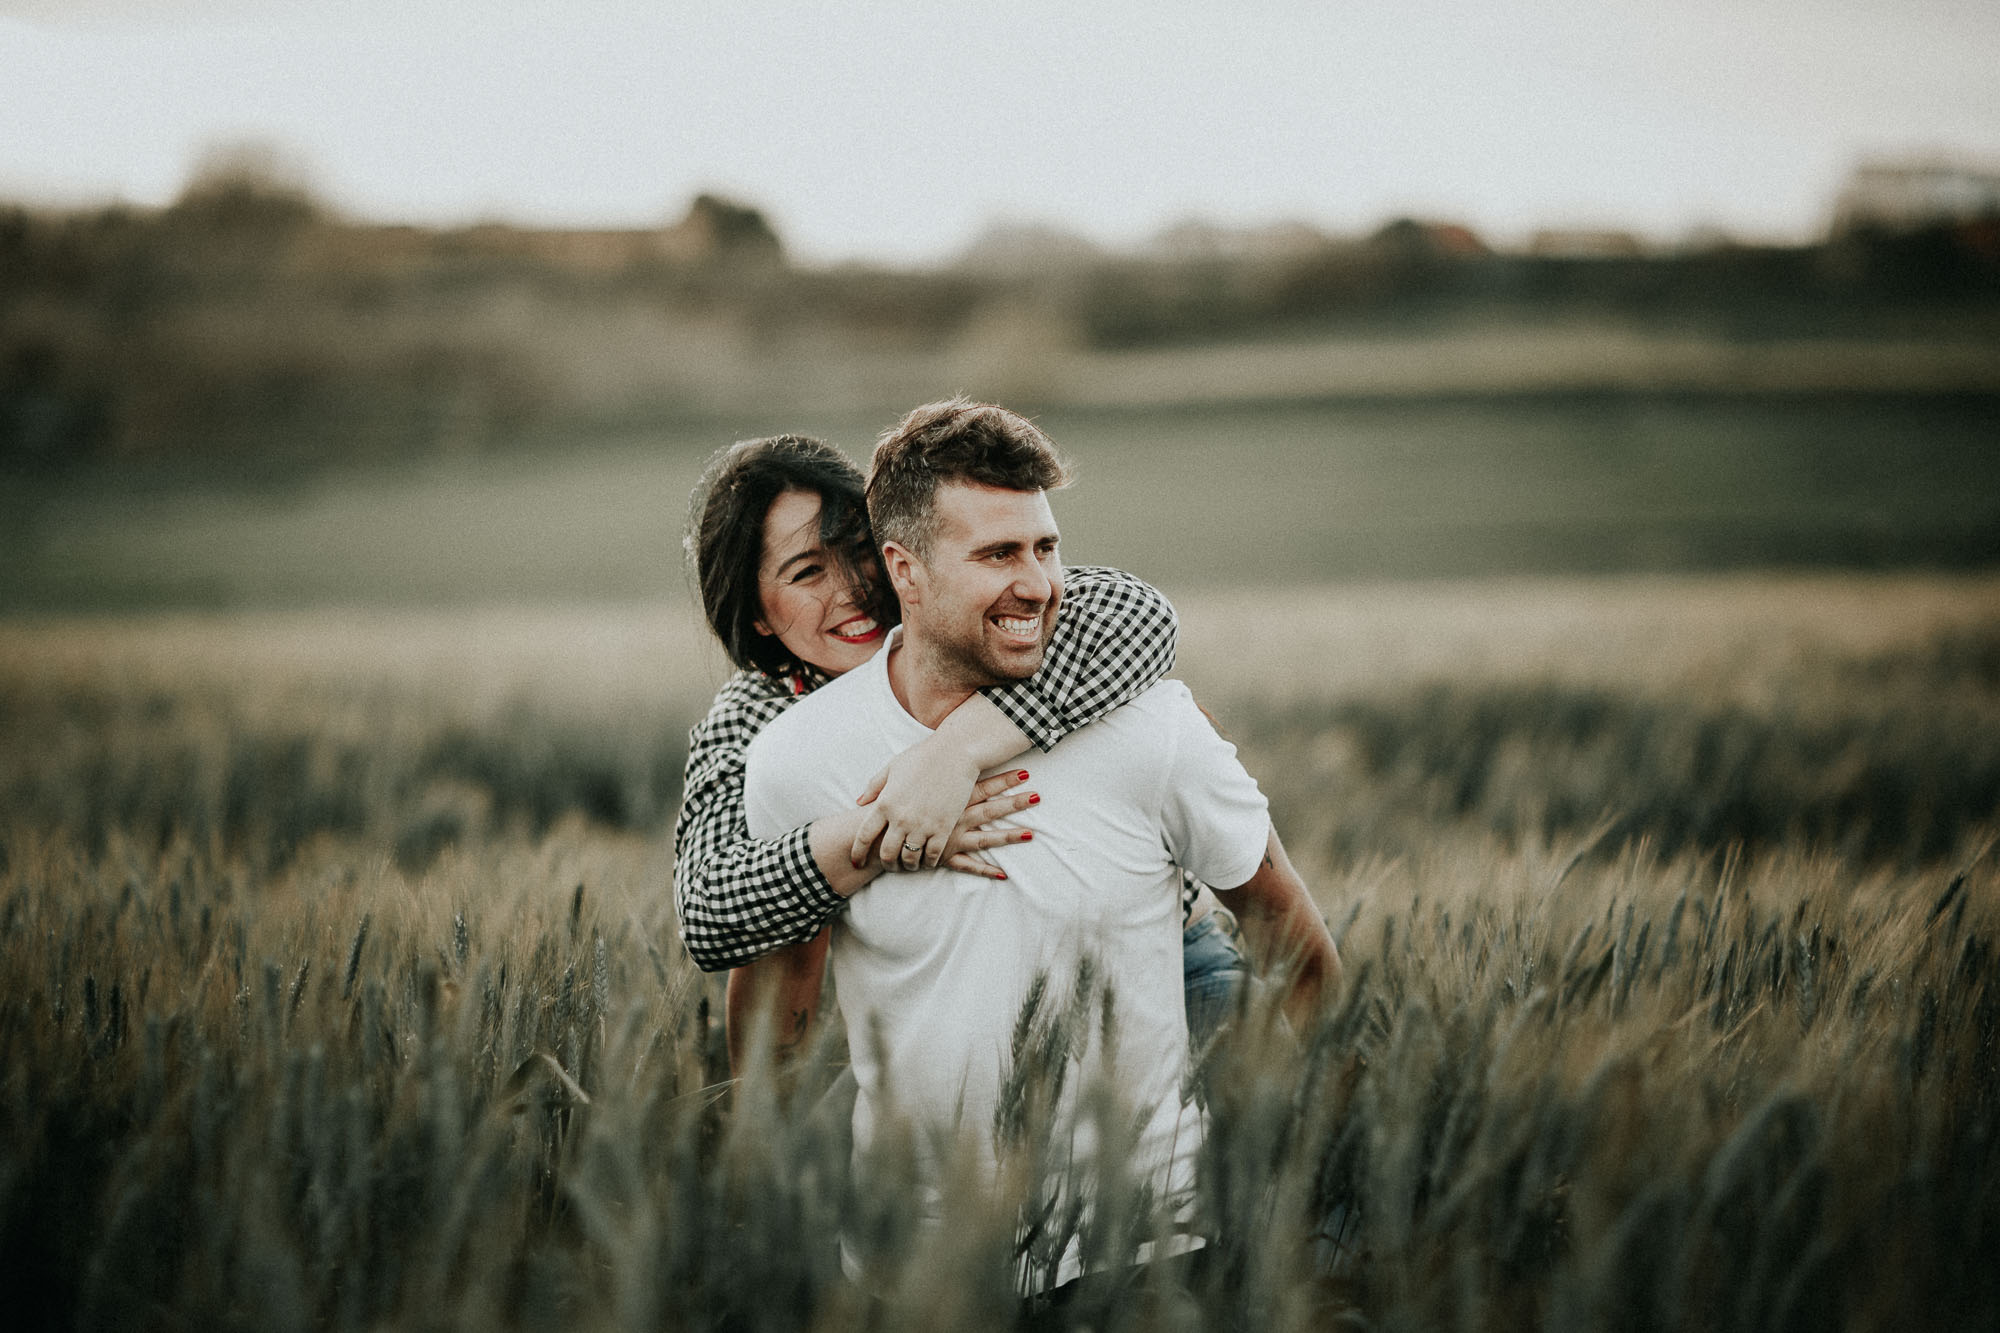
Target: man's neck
{"x": 927, "y": 692}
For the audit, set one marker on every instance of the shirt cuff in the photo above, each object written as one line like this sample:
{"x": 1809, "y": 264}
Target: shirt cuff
{"x": 1038, "y": 721}
{"x": 805, "y": 872}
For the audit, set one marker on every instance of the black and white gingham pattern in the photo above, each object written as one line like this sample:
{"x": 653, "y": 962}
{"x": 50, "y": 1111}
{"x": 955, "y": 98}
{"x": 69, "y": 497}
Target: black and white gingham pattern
{"x": 1115, "y": 638}
{"x": 738, "y": 898}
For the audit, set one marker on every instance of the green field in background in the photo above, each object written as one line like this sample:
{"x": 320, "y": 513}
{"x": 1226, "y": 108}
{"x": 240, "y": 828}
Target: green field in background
{"x": 1278, "y": 494}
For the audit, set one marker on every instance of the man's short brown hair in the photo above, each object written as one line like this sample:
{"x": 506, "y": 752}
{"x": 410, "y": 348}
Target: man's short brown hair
{"x": 956, "y": 440}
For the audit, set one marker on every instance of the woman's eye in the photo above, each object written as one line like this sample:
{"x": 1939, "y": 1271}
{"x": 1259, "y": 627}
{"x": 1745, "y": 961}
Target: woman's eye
{"x": 804, "y": 572}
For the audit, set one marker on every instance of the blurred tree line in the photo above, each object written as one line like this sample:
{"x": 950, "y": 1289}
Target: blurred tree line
{"x": 247, "y": 320}
{"x": 1414, "y": 271}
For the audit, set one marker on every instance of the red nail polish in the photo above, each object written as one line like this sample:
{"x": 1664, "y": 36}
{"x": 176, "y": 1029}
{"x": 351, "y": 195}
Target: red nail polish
{"x": 1035, "y": 799}
{"x": 1001, "y": 875}
{"x": 1027, "y": 837}
{"x": 1023, "y": 777}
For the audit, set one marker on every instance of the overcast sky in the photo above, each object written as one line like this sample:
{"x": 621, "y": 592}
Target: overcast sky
{"x": 894, "y": 130}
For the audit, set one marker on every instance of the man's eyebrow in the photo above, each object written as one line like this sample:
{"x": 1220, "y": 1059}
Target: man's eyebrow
{"x": 1005, "y": 544}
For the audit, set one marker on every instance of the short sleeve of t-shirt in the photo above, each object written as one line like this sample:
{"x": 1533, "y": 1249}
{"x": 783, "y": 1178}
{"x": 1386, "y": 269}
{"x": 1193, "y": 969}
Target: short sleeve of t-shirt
{"x": 1216, "y": 820}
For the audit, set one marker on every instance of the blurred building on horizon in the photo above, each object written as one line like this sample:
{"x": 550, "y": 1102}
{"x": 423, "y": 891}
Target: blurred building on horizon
{"x": 1916, "y": 192}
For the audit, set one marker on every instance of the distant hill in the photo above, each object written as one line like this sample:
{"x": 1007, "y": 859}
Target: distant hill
{"x": 250, "y": 321}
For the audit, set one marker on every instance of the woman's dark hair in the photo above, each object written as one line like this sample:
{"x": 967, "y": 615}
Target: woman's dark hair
{"x": 725, "y": 539}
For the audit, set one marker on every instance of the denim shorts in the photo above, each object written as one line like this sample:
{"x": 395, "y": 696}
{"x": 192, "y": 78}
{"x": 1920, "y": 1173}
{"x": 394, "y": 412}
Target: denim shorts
{"x": 1213, "y": 974}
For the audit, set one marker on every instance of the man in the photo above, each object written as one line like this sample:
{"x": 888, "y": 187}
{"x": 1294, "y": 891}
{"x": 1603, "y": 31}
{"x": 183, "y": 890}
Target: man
{"x": 932, "y": 969}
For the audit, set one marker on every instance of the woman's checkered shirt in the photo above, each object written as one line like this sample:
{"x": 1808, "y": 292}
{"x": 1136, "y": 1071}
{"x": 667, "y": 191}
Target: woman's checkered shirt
{"x": 738, "y": 898}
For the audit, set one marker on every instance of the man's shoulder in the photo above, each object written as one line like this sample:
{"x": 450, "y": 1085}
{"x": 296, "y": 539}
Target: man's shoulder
{"x": 1166, "y": 694}
{"x": 815, "y": 719}
{"x": 1165, "y": 700}
{"x": 813, "y": 759}
{"x": 1148, "y": 727}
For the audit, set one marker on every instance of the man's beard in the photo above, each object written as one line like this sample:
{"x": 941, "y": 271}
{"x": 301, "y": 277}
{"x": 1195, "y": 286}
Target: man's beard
{"x": 970, "y": 662}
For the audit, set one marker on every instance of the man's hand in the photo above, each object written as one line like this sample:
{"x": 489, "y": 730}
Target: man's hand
{"x": 1289, "y": 934}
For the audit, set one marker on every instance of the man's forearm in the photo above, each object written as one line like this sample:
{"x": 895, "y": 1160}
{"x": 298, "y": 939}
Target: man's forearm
{"x": 1288, "y": 933}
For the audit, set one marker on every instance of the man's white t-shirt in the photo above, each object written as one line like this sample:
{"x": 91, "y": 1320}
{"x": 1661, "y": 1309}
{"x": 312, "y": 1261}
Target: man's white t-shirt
{"x": 931, "y": 968}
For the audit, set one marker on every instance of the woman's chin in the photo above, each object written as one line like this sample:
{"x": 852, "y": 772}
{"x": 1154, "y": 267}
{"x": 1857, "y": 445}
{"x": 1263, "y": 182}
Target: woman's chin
{"x": 838, "y": 654}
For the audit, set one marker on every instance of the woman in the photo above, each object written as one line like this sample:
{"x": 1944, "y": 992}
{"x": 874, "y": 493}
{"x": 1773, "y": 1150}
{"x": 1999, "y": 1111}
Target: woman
{"x": 788, "y": 578}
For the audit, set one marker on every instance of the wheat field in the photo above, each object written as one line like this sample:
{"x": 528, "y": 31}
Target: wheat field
{"x": 339, "y": 986}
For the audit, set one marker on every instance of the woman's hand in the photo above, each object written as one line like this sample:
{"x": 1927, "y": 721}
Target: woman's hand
{"x": 916, "y": 803}
{"x": 974, "y": 835}
{"x": 965, "y": 838}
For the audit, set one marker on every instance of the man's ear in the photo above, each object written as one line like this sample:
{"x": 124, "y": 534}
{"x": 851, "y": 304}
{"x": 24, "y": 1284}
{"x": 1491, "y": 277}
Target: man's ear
{"x": 904, "y": 572}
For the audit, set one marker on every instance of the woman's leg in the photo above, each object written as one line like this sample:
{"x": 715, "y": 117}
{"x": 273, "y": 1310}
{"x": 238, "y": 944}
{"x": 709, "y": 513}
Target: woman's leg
{"x": 783, "y": 985}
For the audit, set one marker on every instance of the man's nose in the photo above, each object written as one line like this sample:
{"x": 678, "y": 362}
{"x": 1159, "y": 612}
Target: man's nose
{"x": 1032, "y": 583}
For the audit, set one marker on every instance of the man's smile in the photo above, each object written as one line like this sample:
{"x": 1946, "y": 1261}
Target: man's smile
{"x": 1026, "y": 628}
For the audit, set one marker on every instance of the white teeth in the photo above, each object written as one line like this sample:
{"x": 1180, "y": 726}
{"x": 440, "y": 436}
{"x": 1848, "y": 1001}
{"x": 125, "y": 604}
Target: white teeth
{"x": 1017, "y": 625}
{"x": 854, "y": 629}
